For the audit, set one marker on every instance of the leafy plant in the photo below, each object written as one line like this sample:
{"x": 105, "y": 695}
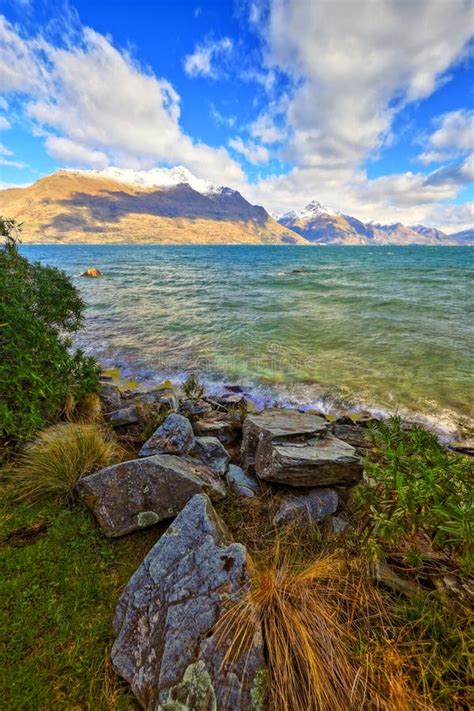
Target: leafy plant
{"x": 193, "y": 389}
{"x": 39, "y": 375}
{"x": 418, "y": 487}
{"x": 51, "y": 466}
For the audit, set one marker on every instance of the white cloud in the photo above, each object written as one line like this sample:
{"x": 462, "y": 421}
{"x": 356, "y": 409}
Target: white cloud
{"x": 4, "y": 123}
{"x": 220, "y": 119}
{"x": 102, "y": 106}
{"x": 4, "y": 151}
{"x": 453, "y": 137}
{"x": 202, "y": 62}
{"x": 350, "y": 83}
{"x": 12, "y": 163}
{"x": 254, "y": 153}
{"x": 70, "y": 153}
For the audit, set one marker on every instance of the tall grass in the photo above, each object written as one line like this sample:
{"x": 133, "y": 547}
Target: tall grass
{"x": 51, "y": 466}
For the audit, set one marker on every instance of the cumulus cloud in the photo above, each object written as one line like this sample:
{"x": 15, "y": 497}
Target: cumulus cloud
{"x": 350, "y": 81}
{"x": 254, "y": 153}
{"x": 99, "y": 106}
{"x": 453, "y": 137}
{"x": 4, "y": 124}
{"x": 346, "y": 85}
{"x": 203, "y": 61}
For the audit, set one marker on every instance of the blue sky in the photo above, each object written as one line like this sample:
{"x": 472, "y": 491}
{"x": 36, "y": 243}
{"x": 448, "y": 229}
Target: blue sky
{"x": 365, "y": 105}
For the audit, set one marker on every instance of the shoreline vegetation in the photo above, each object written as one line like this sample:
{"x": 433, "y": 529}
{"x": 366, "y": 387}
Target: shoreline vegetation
{"x": 166, "y": 548}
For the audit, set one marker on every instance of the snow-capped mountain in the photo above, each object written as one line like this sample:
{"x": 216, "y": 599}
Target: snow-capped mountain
{"x": 322, "y": 225}
{"x": 312, "y": 209}
{"x": 154, "y": 178}
{"x": 164, "y": 206}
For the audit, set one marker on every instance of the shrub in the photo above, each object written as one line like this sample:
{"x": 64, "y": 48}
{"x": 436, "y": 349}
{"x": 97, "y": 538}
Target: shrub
{"x": 193, "y": 389}
{"x": 418, "y": 487}
{"x": 51, "y": 466}
{"x": 39, "y": 376}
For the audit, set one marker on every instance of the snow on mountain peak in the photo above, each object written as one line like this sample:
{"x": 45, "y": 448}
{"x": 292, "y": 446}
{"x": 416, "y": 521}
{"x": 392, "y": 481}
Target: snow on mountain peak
{"x": 154, "y": 178}
{"x": 312, "y": 209}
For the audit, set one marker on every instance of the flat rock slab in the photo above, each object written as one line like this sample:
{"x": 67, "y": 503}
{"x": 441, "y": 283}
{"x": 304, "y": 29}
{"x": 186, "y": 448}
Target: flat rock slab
{"x": 128, "y": 415}
{"x": 309, "y": 508}
{"x": 217, "y": 424}
{"x": 174, "y": 436}
{"x": 277, "y": 424}
{"x": 165, "y": 621}
{"x": 316, "y": 462}
{"x": 133, "y": 495}
{"x": 355, "y": 435}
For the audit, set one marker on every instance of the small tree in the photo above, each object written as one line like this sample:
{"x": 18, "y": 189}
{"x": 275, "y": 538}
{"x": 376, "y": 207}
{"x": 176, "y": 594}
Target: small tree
{"x": 39, "y": 310}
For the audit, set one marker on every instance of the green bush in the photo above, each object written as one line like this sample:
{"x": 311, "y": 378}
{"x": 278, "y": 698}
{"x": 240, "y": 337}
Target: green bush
{"x": 39, "y": 376}
{"x": 419, "y": 487}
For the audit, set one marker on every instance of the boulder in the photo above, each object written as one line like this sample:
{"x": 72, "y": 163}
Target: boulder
{"x": 110, "y": 397}
{"x": 355, "y": 435}
{"x": 211, "y": 452}
{"x": 316, "y": 462}
{"x": 217, "y": 424}
{"x": 241, "y": 483}
{"x": 168, "y": 645}
{"x": 154, "y": 395}
{"x": 463, "y": 446}
{"x": 277, "y": 424}
{"x": 92, "y": 273}
{"x": 338, "y": 525}
{"x": 133, "y": 495}
{"x": 310, "y": 508}
{"x": 128, "y": 415}
{"x": 174, "y": 436}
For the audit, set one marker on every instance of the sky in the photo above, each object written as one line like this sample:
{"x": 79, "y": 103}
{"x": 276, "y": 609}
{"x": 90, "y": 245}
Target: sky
{"x": 363, "y": 105}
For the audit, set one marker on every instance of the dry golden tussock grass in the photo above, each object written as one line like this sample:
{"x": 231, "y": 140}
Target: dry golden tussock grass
{"x": 51, "y": 466}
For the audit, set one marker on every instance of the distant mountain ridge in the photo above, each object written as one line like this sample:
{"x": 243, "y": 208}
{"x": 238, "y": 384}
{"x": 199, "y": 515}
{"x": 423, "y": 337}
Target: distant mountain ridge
{"x": 173, "y": 206}
{"x": 320, "y": 225}
{"x": 165, "y": 206}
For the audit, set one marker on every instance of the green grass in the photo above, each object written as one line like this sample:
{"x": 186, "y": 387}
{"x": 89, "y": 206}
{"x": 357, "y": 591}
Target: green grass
{"x": 57, "y": 601}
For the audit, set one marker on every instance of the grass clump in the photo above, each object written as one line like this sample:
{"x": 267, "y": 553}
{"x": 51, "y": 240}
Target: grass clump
{"x": 419, "y": 492}
{"x": 51, "y": 466}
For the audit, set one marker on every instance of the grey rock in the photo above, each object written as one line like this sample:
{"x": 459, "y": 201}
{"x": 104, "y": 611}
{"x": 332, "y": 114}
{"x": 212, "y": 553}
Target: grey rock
{"x": 212, "y": 453}
{"x": 133, "y": 495}
{"x": 311, "y": 508}
{"x": 194, "y": 408}
{"x": 277, "y": 424}
{"x": 463, "y": 446}
{"x": 174, "y": 436}
{"x": 355, "y": 435}
{"x": 338, "y": 525}
{"x": 241, "y": 483}
{"x": 128, "y": 415}
{"x": 217, "y": 424}
{"x": 316, "y": 462}
{"x": 168, "y": 646}
{"x": 110, "y": 397}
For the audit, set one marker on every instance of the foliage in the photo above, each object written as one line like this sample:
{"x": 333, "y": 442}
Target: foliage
{"x": 193, "y": 389}
{"x": 39, "y": 309}
{"x": 417, "y": 486}
{"x": 51, "y": 466}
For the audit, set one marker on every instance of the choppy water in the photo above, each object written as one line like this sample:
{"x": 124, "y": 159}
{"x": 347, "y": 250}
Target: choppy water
{"x": 383, "y": 328}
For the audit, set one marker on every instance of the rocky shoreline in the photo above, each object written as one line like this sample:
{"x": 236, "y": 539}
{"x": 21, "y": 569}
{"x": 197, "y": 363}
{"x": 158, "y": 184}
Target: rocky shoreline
{"x": 199, "y": 451}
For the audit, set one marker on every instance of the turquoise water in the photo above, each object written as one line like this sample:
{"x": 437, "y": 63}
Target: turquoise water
{"x": 388, "y": 329}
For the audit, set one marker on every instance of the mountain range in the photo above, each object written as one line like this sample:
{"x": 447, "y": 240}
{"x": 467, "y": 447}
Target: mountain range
{"x": 172, "y": 206}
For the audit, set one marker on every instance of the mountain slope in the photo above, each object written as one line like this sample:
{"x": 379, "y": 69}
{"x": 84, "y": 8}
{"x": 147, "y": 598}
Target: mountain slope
{"x": 159, "y": 206}
{"x": 464, "y": 237}
{"x": 320, "y": 225}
